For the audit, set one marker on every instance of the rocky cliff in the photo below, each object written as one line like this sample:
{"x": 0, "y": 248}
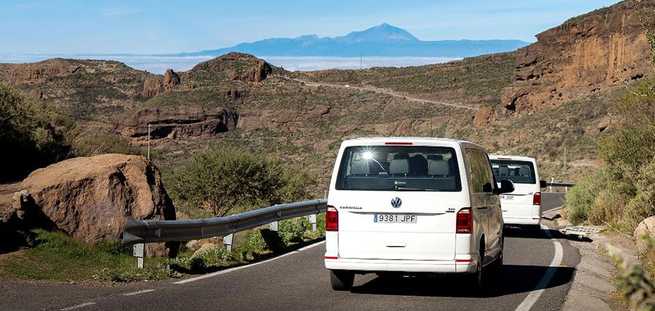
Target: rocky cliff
{"x": 586, "y": 54}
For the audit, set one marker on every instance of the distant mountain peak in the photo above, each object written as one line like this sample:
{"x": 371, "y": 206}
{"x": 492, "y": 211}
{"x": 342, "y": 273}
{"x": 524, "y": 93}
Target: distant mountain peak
{"x": 380, "y": 40}
{"x": 380, "y": 33}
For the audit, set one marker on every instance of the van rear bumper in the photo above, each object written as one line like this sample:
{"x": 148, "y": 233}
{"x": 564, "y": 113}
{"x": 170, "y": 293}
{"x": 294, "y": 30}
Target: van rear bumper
{"x": 379, "y": 265}
{"x": 521, "y": 220}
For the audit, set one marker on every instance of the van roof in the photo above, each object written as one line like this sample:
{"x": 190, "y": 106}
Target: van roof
{"x": 511, "y": 157}
{"x": 416, "y": 140}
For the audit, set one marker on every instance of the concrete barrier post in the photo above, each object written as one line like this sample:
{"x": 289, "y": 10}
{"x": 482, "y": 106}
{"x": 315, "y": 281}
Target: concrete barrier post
{"x": 312, "y": 220}
{"x": 227, "y": 241}
{"x": 273, "y": 226}
{"x": 138, "y": 250}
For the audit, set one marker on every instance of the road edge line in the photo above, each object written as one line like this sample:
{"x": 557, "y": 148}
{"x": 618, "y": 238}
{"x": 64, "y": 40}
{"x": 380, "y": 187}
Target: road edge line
{"x": 213, "y": 274}
{"x": 82, "y": 305}
{"x": 535, "y": 294}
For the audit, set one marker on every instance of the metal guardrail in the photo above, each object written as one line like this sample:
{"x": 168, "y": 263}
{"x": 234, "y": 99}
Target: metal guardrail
{"x": 560, "y": 184}
{"x": 147, "y": 231}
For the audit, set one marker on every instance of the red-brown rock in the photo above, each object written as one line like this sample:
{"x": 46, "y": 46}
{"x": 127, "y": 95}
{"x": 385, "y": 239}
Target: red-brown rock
{"x": 601, "y": 49}
{"x": 90, "y": 198}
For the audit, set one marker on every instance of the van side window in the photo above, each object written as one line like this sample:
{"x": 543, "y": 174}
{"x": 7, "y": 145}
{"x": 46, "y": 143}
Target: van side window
{"x": 479, "y": 171}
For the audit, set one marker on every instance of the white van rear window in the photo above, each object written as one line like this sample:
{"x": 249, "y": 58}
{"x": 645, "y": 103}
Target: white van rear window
{"x": 519, "y": 172}
{"x": 399, "y": 168}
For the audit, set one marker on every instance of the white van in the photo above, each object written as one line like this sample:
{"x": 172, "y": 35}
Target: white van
{"x": 412, "y": 205}
{"x": 523, "y": 205}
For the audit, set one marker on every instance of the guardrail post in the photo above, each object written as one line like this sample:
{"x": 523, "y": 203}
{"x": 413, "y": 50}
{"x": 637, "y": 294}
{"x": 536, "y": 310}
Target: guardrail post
{"x": 227, "y": 241}
{"x": 550, "y": 187}
{"x": 273, "y": 226}
{"x": 312, "y": 220}
{"x": 138, "y": 252}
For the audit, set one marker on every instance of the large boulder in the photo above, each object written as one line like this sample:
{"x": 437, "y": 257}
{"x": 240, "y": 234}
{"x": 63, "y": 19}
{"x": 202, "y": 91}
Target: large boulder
{"x": 644, "y": 231}
{"x": 91, "y": 198}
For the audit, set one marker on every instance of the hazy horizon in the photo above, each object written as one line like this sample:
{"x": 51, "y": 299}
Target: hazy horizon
{"x": 159, "y": 64}
{"x": 148, "y": 27}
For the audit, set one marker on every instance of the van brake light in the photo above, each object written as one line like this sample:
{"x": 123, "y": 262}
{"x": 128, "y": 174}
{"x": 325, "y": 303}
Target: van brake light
{"x": 536, "y": 198}
{"x": 464, "y": 221}
{"x": 331, "y": 219}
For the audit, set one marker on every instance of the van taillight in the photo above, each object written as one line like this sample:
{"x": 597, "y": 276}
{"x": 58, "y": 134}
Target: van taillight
{"x": 536, "y": 198}
{"x": 331, "y": 219}
{"x": 464, "y": 221}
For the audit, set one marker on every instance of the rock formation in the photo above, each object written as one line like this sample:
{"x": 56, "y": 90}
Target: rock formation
{"x": 601, "y": 49}
{"x": 171, "y": 80}
{"x": 232, "y": 66}
{"x": 180, "y": 122}
{"x": 90, "y": 198}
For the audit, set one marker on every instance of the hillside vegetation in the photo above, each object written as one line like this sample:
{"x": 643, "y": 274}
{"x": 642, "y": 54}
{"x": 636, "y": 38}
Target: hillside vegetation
{"x": 31, "y": 135}
{"x": 622, "y": 192}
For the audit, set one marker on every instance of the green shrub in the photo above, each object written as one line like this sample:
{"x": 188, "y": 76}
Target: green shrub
{"x": 628, "y": 149}
{"x": 293, "y": 230}
{"x": 581, "y": 198}
{"x": 229, "y": 179}
{"x": 255, "y": 242}
{"x": 31, "y": 135}
{"x": 642, "y": 204}
{"x": 609, "y": 204}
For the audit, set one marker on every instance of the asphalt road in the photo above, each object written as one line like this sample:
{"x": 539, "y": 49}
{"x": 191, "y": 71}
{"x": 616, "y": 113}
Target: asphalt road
{"x": 536, "y": 276}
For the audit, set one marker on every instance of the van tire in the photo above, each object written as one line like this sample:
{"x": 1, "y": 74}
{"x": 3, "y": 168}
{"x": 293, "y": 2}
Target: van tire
{"x": 480, "y": 278}
{"x": 341, "y": 280}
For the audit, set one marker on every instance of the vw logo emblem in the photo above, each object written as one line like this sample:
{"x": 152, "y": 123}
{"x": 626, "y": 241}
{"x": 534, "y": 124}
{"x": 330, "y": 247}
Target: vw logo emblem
{"x": 396, "y": 202}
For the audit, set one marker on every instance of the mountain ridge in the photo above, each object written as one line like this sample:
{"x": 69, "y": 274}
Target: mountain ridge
{"x": 380, "y": 40}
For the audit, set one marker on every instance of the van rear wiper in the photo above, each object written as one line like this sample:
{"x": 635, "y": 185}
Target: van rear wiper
{"x": 413, "y": 189}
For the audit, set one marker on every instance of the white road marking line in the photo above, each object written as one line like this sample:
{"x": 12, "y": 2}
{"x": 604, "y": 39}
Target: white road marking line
{"x": 145, "y": 291}
{"x": 82, "y": 305}
{"x": 211, "y": 275}
{"x": 309, "y": 246}
{"x": 534, "y": 295}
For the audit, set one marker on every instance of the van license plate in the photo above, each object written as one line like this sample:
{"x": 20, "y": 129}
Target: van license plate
{"x": 395, "y": 218}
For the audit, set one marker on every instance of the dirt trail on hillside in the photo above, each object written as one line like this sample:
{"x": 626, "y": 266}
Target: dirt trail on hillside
{"x": 378, "y": 90}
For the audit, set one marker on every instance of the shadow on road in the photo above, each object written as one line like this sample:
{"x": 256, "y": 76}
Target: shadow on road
{"x": 511, "y": 280}
{"x": 532, "y": 233}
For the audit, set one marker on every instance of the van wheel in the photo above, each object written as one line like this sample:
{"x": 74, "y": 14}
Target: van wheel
{"x": 341, "y": 280}
{"x": 498, "y": 263}
{"x": 481, "y": 277}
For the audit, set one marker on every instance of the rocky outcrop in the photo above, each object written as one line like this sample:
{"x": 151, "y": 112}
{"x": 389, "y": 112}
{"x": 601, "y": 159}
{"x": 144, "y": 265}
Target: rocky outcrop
{"x": 171, "y": 79}
{"x": 601, "y": 49}
{"x": 180, "y": 122}
{"x": 155, "y": 85}
{"x": 644, "y": 231}
{"x": 91, "y": 198}
{"x": 152, "y": 86}
{"x": 483, "y": 117}
{"x": 232, "y": 66}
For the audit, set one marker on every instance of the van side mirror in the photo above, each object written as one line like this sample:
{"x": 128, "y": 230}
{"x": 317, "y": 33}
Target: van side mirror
{"x": 506, "y": 186}
{"x": 543, "y": 184}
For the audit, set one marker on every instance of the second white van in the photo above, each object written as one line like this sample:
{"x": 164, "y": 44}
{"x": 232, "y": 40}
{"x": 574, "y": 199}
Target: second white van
{"x": 523, "y": 205}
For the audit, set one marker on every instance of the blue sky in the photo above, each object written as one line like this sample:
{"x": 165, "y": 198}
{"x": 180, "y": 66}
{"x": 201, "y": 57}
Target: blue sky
{"x": 150, "y": 26}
